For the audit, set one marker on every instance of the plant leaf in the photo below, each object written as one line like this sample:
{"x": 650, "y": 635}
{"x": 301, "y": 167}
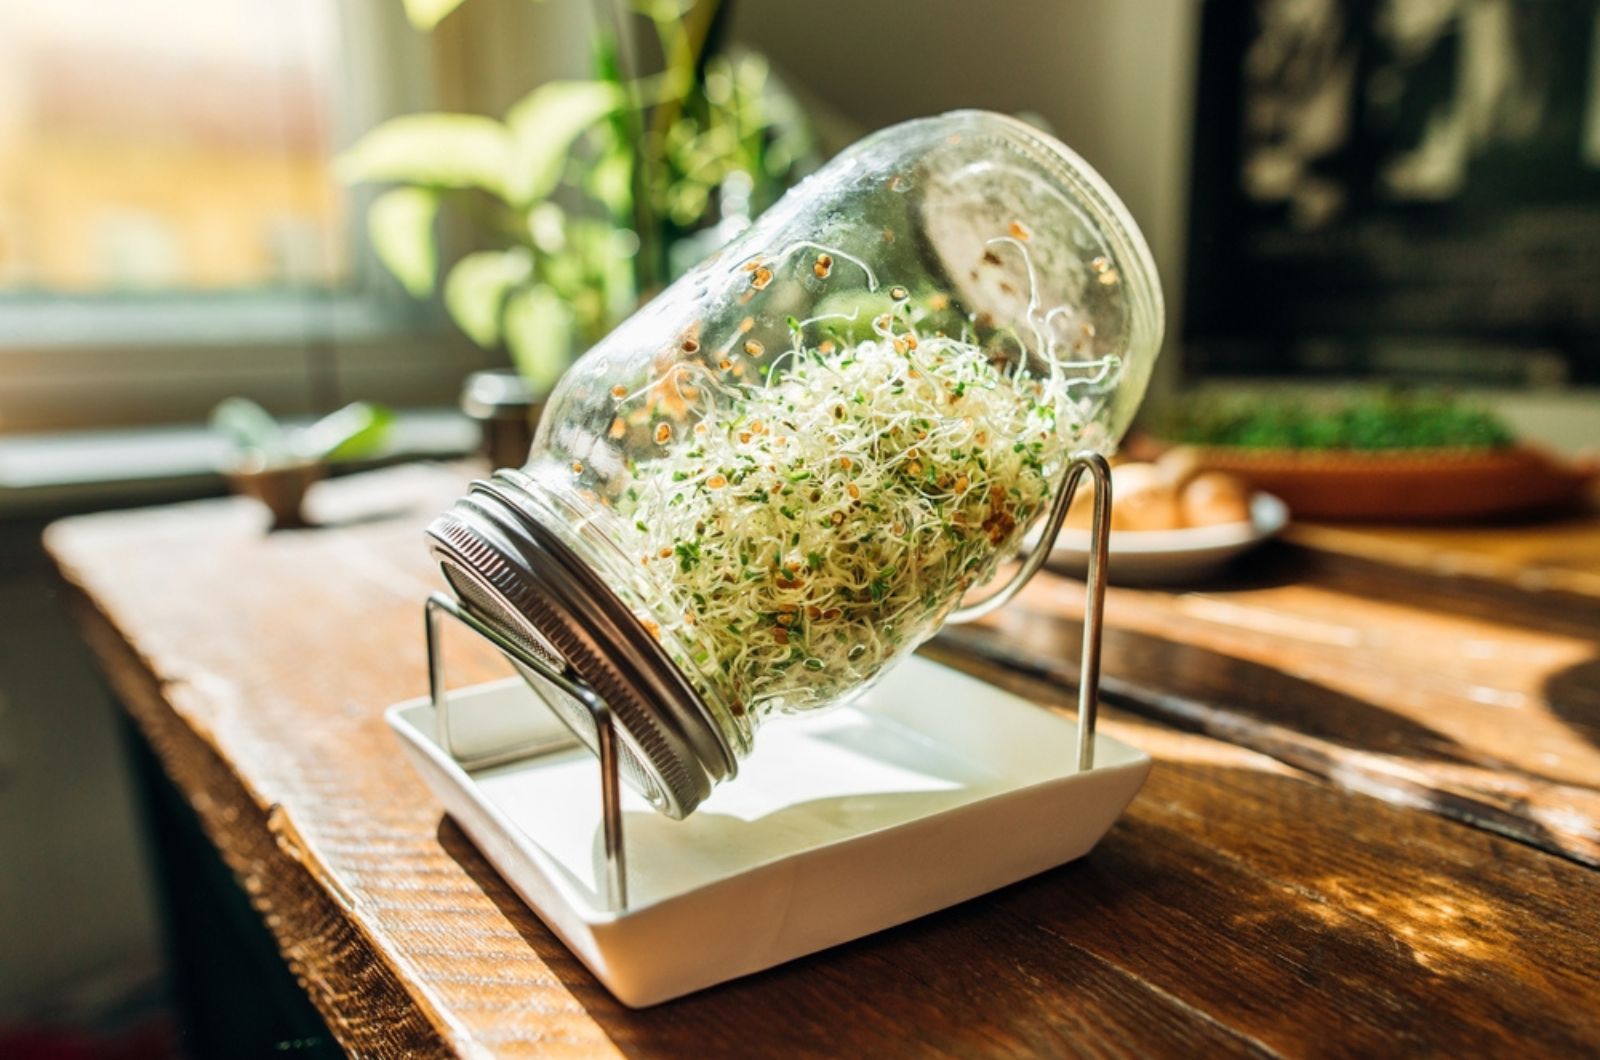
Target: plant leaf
{"x": 606, "y": 254}
{"x": 400, "y": 224}
{"x": 476, "y": 289}
{"x": 426, "y": 14}
{"x": 543, "y": 126}
{"x": 610, "y": 181}
{"x": 539, "y": 333}
{"x": 250, "y": 428}
{"x": 432, "y": 150}
{"x": 357, "y": 430}
{"x": 547, "y": 227}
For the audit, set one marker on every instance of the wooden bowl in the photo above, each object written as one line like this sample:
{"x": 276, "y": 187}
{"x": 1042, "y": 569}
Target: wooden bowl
{"x": 1423, "y": 485}
{"x": 281, "y": 487}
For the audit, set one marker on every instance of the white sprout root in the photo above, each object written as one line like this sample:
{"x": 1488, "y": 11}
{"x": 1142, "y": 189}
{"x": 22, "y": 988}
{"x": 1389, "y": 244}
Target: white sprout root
{"x": 808, "y": 530}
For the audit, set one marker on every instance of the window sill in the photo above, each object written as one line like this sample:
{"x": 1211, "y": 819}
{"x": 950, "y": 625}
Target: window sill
{"x": 82, "y": 469}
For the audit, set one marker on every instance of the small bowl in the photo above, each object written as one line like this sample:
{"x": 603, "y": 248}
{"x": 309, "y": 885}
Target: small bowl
{"x": 281, "y": 487}
{"x": 1169, "y": 557}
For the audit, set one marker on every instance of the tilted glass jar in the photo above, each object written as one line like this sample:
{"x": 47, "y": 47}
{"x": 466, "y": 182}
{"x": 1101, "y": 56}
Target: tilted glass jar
{"x": 788, "y": 470}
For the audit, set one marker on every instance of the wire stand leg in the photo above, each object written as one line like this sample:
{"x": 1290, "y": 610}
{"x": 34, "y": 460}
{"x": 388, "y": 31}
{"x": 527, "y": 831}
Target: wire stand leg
{"x": 438, "y": 605}
{"x": 1094, "y": 608}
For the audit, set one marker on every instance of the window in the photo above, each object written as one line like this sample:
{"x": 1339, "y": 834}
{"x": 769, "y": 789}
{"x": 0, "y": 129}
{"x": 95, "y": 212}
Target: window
{"x": 169, "y": 145}
{"x": 170, "y": 231}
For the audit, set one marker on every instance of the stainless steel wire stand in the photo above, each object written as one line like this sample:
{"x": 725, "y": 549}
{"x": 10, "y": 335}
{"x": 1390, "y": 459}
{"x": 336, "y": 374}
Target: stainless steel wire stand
{"x": 1094, "y": 583}
{"x": 605, "y": 732}
{"x": 439, "y": 604}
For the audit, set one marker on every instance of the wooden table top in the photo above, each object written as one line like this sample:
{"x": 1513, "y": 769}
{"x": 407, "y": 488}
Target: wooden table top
{"x": 1373, "y": 825}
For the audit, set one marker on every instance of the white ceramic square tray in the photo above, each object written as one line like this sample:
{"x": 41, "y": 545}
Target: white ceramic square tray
{"x": 931, "y": 789}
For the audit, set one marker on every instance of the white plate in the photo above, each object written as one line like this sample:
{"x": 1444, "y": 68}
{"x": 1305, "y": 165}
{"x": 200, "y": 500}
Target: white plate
{"x": 931, "y": 789}
{"x": 1166, "y": 557}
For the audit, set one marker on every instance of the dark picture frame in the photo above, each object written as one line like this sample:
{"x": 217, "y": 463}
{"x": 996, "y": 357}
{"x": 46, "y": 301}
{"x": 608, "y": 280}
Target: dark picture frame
{"x": 1397, "y": 188}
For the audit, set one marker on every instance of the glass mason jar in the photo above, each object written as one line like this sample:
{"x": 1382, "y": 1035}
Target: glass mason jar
{"x": 790, "y": 468}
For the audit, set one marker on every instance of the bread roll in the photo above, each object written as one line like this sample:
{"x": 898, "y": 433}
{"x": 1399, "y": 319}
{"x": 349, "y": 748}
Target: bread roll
{"x": 1213, "y": 498}
{"x": 1143, "y": 499}
{"x": 1180, "y": 464}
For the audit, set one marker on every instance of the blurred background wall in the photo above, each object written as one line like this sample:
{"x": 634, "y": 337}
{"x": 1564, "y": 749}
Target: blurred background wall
{"x": 1114, "y": 80}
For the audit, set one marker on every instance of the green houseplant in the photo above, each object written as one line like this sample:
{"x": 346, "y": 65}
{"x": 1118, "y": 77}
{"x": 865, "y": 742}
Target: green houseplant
{"x": 583, "y": 195}
{"x": 277, "y": 464}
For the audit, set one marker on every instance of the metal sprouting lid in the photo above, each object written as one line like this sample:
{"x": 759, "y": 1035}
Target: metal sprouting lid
{"x": 506, "y": 565}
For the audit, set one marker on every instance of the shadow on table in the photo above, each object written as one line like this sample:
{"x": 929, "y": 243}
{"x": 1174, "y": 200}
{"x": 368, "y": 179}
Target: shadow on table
{"x": 551, "y": 950}
{"x": 1573, "y": 695}
{"x": 1271, "y": 566}
{"x": 1202, "y": 690}
{"x": 1460, "y": 593}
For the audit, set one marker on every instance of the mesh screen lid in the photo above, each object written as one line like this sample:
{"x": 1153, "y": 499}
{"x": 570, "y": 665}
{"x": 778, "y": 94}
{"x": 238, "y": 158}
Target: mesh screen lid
{"x": 513, "y": 572}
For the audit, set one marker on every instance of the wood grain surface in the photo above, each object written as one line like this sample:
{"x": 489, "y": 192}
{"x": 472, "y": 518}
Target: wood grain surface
{"x": 1463, "y": 695}
{"x": 1560, "y": 554}
{"x": 1241, "y": 907}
